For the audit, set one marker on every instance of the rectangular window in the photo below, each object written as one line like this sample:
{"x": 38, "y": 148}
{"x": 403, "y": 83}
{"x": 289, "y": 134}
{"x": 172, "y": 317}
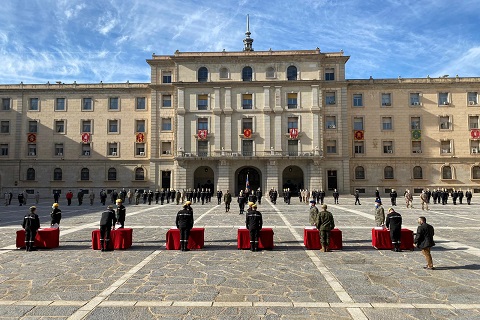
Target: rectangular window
{"x": 4, "y": 126}
{"x": 140, "y": 125}
{"x": 167, "y": 77}
{"x": 87, "y": 104}
{"x": 292, "y": 123}
{"x": 140, "y": 149}
{"x": 474, "y": 147}
{"x": 32, "y": 126}
{"x": 32, "y": 149}
{"x": 6, "y": 104}
{"x": 445, "y": 147}
{"x": 386, "y": 99}
{"x": 387, "y": 146}
{"x": 4, "y": 149}
{"x": 329, "y": 74}
{"x": 293, "y": 148}
{"x": 59, "y": 149}
{"x": 247, "y": 101}
{"x": 359, "y": 147}
{"x": 86, "y": 149}
{"x": 247, "y": 148}
{"x": 445, "y": 123}
{"x": 473, "y": 122}
{"x": 358, "y": 100}
{"x": 60, "y": 104}
{"x": 417, "y": 146}
{"x": 60, "y": 126}
{"x": 472, "y": 98}
{"x": 331, "y": 122}
{"x": 166, "y": 101}
{"x": 331, "y": 146}
{"x": 414, "y": 99}
{"x": 292, "y": 101}
{"x": 247, "y": 123}
{"x": 87, "y": 126}
{"x": 113, "y": 104}
{"x": 140, "y": 103}
{"x": 113, "y": 149}
{"x": 166, "y": 124}
{"x": 202, "y": 148}
{"x": 443, "y": 99}
{"x": 387, "y": 123}
{"x": 202, "y": 102}
{"x": 34, "y": 104}
{"x": 415, "y": 123}
{"x": 330, "y": 98}
{"x": 357, "y": 123}
{"x": 202, "y": 124}
{"x": 167, "y": 148}
{"x": 112, "y": 126}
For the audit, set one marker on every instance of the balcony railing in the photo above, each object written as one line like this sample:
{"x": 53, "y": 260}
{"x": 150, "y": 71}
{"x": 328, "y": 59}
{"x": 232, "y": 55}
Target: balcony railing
{"x": 243, "y": 154}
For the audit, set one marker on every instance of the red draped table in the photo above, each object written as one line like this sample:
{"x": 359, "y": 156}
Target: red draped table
{"x": 195, "y": 239}
{"x": 45, "y": 238}
{"x": 381, "y": 239}
{"x": 311, "y": 239}
{"x": 119, "y": 239}
{"x": 265, "y": 239}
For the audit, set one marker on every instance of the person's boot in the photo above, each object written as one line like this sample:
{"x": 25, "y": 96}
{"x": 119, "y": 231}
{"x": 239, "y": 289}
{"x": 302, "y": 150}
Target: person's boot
{"x": 322, "y": 249}
{"x": 27, "y": 246}
{"x": 102, "y": 247}
{"x": 252, "y": 246}
{"x": 185, "y": 246}
{"x": 256, "y": 246}
{"x": 327, "y": 249}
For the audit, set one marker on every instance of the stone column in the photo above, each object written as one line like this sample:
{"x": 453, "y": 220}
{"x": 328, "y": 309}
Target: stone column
{"x": 223, "y": 180}
{"x": 272, "y": 177}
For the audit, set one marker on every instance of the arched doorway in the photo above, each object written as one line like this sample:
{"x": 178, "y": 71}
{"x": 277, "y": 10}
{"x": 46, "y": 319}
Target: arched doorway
{"x": 292, "y": 178}
{"x": 203, "y": 178}
{"x": 254, "y": 179}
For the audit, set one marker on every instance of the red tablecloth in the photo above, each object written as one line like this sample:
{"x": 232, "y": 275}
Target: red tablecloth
{"x": 265, "y": 240}
{"x": 381, "y": 239}
{"x": 45, "y": 238}
{"x": 311, "y": 239}
{"x": 195, "y": 239}
{"x": 120, "y": 239}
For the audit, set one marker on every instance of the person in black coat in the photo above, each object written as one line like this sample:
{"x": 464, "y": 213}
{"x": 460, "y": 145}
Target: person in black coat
{"x": 336, "y": 195}
{"x": 424, "y": 240}
{"x": 254, "y": 223}
{"x": 241, "y": 202}
{"x": 393, "y": 197}
{"x": 259, "y": 194}
{"x": 219, "y": 196}
{"x": 107, "y": 221}
{"x": 31, "y": 224}
{"x": 121, "y": 213}
{"x": 357, "y": 197}
{"x": 468, "y": 195}
{"x": 55, "y": 215}
{"x": 393, "y": 222}
{"x": 184, "y": 222}
{"x": 252, "y": 197}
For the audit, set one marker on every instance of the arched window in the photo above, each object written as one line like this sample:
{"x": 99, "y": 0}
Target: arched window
{"x": 270, "y": 72}
{"x": 57, "y": 174}
{"x": 139, "y": 174}
{"x": 447, "y": 172}
{"x": 112, "y": 174}
{"x": 359, "y": 173}
{"x": 247, "y": 74}
{"x": 417, "y": 172}
{"x": 30, "y": 174}
{"x": 85, "y": 174}
{"x": 202, "y": 74}
{"x": 224, "y": 74}
{"x": 388, "y": 173}
{"x": 292, "y": 73}
{"x": 475, "y": 172}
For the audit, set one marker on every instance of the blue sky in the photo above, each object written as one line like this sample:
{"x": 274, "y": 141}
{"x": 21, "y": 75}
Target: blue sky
{"x": 92, "y": 41}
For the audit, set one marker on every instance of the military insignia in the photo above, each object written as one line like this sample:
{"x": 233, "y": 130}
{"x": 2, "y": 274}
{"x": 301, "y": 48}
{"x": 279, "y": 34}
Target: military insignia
{"x": 32, "y": 137}
{"x": 475, "y": 133}
{"x": 358, "y": 135}
{"x": 202, "y": 134}
{"x": 140, "y": 137}
{"x": 85, "y": 137}
{"x": 416, "y": 134}
{"x": 293, "y": 133}
{"x": 247, "y": 133}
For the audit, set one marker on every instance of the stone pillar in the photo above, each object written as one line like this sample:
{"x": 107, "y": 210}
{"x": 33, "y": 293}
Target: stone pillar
{"x": 316, "y": 175}
{"x": 272, "y": 177}
{"x": 223, "y": 180}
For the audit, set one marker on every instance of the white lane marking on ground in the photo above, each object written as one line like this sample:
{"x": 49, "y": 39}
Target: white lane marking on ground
{"x": 336, "y": 286}
{"x": 203, "y": 215}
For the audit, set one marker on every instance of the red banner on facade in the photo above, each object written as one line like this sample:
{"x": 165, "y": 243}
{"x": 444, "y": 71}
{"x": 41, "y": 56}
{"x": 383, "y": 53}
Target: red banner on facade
{"x": 32, "y": 137}
{"x": 293, "y": 133}
{"x": 475, "y": 133}
{"x": 247, "y": 133}
{"x": 358, "y": 135}
{"x": 85, "y": 137}
{"x": 140, "y": 137}
{"x": 202, "y": 134}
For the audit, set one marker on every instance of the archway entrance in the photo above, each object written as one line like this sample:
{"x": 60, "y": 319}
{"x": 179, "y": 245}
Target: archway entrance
{"x": 292, "y": 178}
{"x": 203, "y": 178}
{"x": 254, "y": 179}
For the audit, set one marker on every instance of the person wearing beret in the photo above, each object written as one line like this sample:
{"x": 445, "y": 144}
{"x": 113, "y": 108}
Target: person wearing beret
{"x": 379, "y": 213}
{"x": 184, "y": 222}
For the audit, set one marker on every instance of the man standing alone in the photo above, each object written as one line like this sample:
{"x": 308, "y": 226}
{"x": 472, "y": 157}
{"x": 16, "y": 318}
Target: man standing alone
{"x": 424, "y": 240}
{"x": 325, "y": 224}
{"x": 31, "y": 224}
{"x": 254, "y": 223}
{"x": 184, "y": 222}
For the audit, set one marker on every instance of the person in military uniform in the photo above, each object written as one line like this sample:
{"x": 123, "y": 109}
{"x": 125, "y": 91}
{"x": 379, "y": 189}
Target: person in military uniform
{"x": 424, "y": 200}
{"x": 434, "y": 196}
{"x": 157, "y": 196}
{"x": 227, "y": 198}
{"x": 313, "y": 213}
{"x": 468, "y": 195}
{"x": 357, "y": 197}
{"x": 377, "y": 194}
{"x": 325, "y": 224}
{"x": 273, "y": 196}
{"x": 288, "y": 195}
{"x": 150, "y": 197}
{"x": 20, "y": 199}
{"x": 394, "y": 223}
{"x": 203, "y": 195}
{"x": 379, "y": 213}
{"x": 178, "y": 197}
{"x": 162, "y": 196}
{"x": 219, "y": 196}
{"x": 259, "y": 195}
{"x": 393, "y": 197}
{"x": 103, "y": 197}
{"x": 252, "y": 197}
{"x": 80, "y": 197}
{"x": 241, "y": 202}
{"x": 31, "y": 224}
{"x": 321, "y": 196}
{"x": 55, "y": 215}
{"x": 107, "y": 221}
{"x": 184, "y": 222}
{"x": 336, "y": 195}
{"x": 460, "y": 196}
{"x": 121, "y": 213}
{"x": 254, "y": 223}
{"x": 454, "y": 196}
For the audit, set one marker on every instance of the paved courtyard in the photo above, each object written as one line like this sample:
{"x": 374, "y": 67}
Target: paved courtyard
{"x": 221, "y": 282}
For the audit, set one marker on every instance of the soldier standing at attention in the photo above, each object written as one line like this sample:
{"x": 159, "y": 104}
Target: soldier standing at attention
{"x": 394, "y": 223}
{"x": 227, "y": 198}
{"x": 219, "y": 196}
{"x": 325, "y": 224}
{"x": 379, "y": 213}
{"x": 336, "y": 195}
{"x": 241, "y": 202}
{"x": 31, "y": 224}
{"x": 55, "y": 215}
{"x": 393, "y": 197}
{"x": 259, "y": 194}
{"x": 121, "y": 213}
{"x": 184, "y": 222}
{"x": 91, "y": 196}
{"x": 254, "y": 223}
{"x": 313, "y": 213}
{"x": 107, "y": 221}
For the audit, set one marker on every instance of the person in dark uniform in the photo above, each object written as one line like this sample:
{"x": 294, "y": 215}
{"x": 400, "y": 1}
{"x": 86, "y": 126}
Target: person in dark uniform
{"x": 157, "y": 196}
{"x": 393, "y": 197}
{"x": 336, "y": 195}
{"x": 150, "y": 197}
{"x": 254, "y": 223}
{"x": 259, "y": 195}
{"x": 377, "y": 195}
{"x": 393, "y": 222}
{"x": 321, "y": 196}
{"x": 434, "y": 196}
{"x": 168, "y": 194}
{"x": 288, "y": 196}
{"x": 121, "y": 213}
{"x": 468, "y": 195}
{"x": 227, "y": 198}
{"x": 273, "y": 196}
{"x": 194, "y": 195}
{"x": 184, "y": 222}
{"x": 31, "y": 224}
{"x": 424, "y": 240}
{"x": 203, "y": 195}
{"x": 145, "y": 196}
{"x": 103, "y": 197}
{"x": 454, "y": 196}
{"x": 56, "y": 196}
{"x": 107, "y": 221}
{"x": 199, "y": 195}
{"x": 241, "y": 202}
{"x": 357, "y": 198}
{"x": 162, "y": 195}
{"x": 460, "y": 196}
{"x": 80, "y": 197}
{"x": 55, "y": 215}
{"x": 219, "y": 196}
{"x": 252, "y": 197}
{"x": 20, "y": 198}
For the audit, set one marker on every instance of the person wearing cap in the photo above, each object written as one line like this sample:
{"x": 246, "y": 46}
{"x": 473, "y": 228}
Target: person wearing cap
{"x": 107, "y": 221}
{"x": 379, "y": 213}
{"x": 55, "y": 215}
{"x": 31, "y": 224}
{"x": 254, "y": 223}
{"x": 325, "y": 223}
{"x": 394, "y": 223}
{"x": 227, "y": 198}
{"x": 357, "y": 197}
{"x": 241, "y": 202}
{"x": 424, "y": 240}
{"x": 184, "y": 222}
{"x": 313, "y": 212}
{"x": 121, "y": 213}
{"x": 250, "y": 204}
